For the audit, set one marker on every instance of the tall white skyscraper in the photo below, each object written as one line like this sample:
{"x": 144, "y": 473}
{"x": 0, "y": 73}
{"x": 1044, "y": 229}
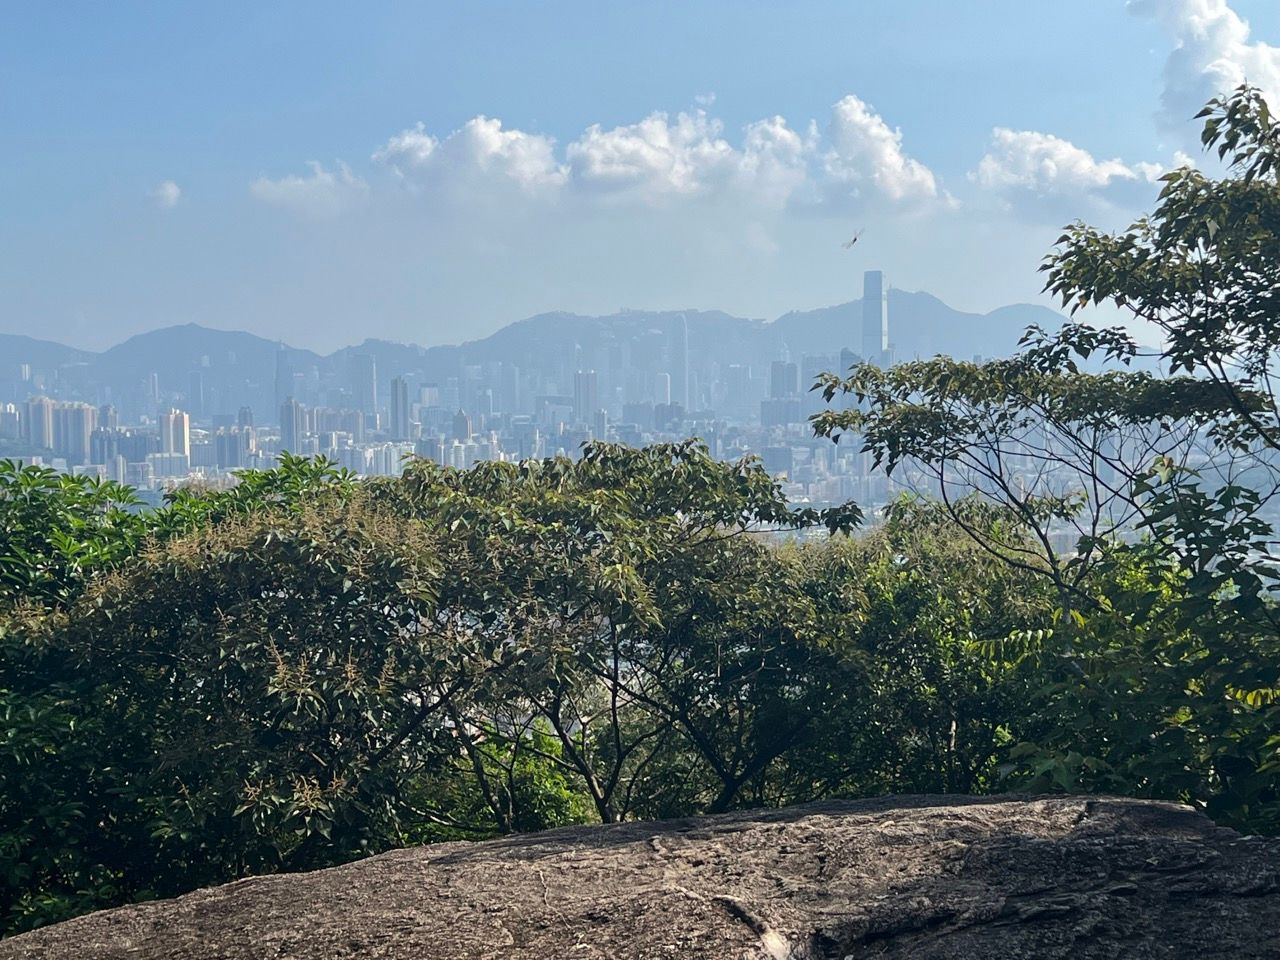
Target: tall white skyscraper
{"x": 175, "y": 433}
{"x": 875, "y": 318}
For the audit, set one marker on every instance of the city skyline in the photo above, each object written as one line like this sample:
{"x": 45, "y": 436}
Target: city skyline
{"x": 740, "y": 387}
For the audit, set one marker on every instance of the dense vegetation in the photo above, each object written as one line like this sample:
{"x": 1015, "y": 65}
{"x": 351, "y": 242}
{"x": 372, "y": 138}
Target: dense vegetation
{"x": 308, "y": 668}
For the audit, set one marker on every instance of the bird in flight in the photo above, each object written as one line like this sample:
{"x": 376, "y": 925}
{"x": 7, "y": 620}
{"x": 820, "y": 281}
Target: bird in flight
{"x": 849, "y": 243}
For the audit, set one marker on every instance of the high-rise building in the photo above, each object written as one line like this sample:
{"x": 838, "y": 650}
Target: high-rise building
{"x": 678, "y": 360}
{"x": 585, "y": 389}
{"x": 784, "y": 379}
{"x": 399, "y": 409}
{"x": 38, "y": 423}
{"x": 292, "y": 425}
{"x": 134, "y": 446}
{"x": 175, "y": 432}
{"x": 245, "y": 417}
{"x": 104, "y": 445}
{"x": 10, "y": 422}
{"x": 461, "y": 426}
{"x": 875, "y": 318}
{"x": 234, "y": 447}
{"x": 73, "y": 427}
{"x": 363, "y": 370}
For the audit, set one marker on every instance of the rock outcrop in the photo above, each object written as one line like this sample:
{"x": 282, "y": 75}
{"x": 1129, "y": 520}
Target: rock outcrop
{"x": 917, "y": 877}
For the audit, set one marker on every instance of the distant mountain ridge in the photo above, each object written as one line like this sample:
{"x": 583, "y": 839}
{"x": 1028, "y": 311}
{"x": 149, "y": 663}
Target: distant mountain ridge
{"x": 243, "y": 365}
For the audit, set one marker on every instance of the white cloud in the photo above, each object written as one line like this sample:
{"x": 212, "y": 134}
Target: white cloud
{"x": 653, "y": 158}
{"x": 774, "y": 163}
{"x": 661, "y": 160}
{"x": 1213, "y": 55}
{"x": 1024, "y": 160}
{"x": 866, "y": 157}
{"x": 481, "y": 150}
{"x": 324, "y": 193}
{"x": 167, "y": 194}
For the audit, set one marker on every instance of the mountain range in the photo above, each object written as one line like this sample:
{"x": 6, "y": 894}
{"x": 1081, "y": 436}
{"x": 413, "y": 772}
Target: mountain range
{"x": 243, "y": 364}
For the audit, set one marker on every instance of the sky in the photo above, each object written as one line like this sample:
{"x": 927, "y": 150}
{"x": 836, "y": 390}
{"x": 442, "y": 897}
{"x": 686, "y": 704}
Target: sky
{"x": 431, "y": 171}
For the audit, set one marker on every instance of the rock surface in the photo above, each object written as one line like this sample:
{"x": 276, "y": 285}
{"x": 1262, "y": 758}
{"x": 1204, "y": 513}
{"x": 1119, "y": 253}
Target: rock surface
{"x": 900, "y": 877}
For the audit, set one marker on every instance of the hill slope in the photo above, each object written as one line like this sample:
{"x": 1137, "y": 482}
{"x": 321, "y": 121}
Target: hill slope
{"x": 942, "y": 878}
{"x": 919, "y": 325}
{"x": 41, "y": 354}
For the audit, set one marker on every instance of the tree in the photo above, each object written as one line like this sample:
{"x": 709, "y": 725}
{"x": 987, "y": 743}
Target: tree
{"x": 917, "y": 615}
{"x": 1160, "y": 675}
{"x": 599, "y": 564}
{"x": 255, "y": 695}
{"x": 58, "y": 530}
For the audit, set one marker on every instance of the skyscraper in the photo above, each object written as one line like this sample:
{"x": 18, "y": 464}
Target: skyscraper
{"x": 875, "y": 318}
{"x": 678, "y": 360}
{"x": 461, "y": 426}
{"x": 73, "y": 428}
{"x": 234, "y": 446}
{"x": 38, "y": 423}
{"x": 175, "y": 433}
{"x": 784, "y": 379}
{"x": 292, "y": 425}
{"x": 399, "y": 409}
{"x": 584, "y": 395}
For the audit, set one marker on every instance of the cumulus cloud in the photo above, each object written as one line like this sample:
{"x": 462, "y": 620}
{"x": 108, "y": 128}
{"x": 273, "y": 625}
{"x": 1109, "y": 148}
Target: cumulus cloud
{"x": 1024, "y": 160}
{"x": 324, "y": 193}
{"x": 866, "y": 156}
{"x": 480, "y": 150}
{"x": 774, "y": 163}
{"x": 167, "y": 194}
{"x": 664, "y": 159}
{"x": 654, "y": 158}
{"x": 1213, "y": 54}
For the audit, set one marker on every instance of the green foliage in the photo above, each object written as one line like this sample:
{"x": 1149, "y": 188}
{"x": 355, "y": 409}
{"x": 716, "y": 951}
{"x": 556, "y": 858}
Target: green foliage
{"x": 306, "y": 668}
{"x": 247, "y": 698}
{"x": 57, "y": 530}
{"x": 1159, "y": 675}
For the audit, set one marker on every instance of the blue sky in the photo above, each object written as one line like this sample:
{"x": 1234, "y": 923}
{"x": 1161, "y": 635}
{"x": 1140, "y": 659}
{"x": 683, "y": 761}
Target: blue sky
{"x": 261, "y": 166}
